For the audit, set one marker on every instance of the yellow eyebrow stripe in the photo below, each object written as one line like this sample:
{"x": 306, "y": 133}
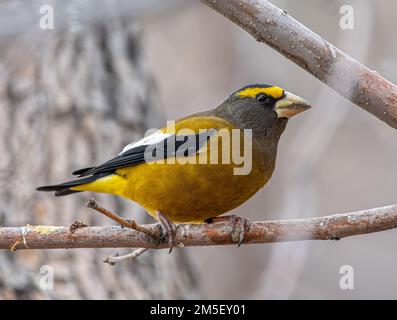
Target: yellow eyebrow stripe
{"x": 275, "y": 92}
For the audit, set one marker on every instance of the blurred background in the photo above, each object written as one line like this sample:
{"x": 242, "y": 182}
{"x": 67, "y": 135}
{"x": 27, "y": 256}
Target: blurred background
{"x": 110, "y": 70}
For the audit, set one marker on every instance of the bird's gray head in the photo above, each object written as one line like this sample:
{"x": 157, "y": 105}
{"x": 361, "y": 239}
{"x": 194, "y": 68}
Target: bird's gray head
{"x": 263, "y": 108}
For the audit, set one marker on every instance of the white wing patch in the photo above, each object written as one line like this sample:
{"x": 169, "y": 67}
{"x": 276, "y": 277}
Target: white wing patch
{"x": 154, "y": 138}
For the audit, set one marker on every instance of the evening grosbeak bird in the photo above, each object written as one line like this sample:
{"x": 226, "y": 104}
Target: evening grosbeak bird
{"x": 172, "y": 172}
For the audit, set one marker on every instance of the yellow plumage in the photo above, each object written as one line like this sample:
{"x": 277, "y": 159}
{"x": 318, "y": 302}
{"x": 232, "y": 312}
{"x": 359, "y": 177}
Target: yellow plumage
{"x": 188, "y": 193}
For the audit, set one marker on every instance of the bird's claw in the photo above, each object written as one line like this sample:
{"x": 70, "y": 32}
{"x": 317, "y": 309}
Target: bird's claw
{"x": 240, "y": 226}
{"x": 167, "y": 228}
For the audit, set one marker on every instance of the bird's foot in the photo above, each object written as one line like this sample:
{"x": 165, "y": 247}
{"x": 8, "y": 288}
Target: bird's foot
{"x": 167, "y": 228}
{"x": 240, "y": 226}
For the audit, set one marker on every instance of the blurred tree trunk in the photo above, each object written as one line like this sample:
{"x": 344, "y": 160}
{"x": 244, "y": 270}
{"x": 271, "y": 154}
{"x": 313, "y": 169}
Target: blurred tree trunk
{"x": 72, "y": 97}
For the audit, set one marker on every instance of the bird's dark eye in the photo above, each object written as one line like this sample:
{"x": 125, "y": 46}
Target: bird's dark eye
{"x": 262, "y": 98}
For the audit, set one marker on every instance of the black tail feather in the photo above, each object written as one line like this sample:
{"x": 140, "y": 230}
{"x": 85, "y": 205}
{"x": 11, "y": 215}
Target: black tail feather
{"x": 81, "y": 171}
{"x": 62, "y": 189}
{"x": 65, "y": 192}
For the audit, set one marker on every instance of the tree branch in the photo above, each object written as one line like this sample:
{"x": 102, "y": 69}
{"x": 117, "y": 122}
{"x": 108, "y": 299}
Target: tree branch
{"x": 351, "y": 79}
{"x": 331, "y": 227}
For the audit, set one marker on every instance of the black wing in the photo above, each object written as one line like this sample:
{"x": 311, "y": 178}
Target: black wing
{"x": 169, "y": 147}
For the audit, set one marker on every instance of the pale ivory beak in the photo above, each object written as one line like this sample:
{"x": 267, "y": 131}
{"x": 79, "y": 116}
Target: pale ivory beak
{"x": 290, "y": 105}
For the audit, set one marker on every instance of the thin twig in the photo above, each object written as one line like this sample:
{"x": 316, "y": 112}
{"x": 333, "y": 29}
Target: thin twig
{"x": 131, "y": 256}
{"x": 332, "y": 227}
{"x": 351, "y": 79}
{"x": 125, "y": 223}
